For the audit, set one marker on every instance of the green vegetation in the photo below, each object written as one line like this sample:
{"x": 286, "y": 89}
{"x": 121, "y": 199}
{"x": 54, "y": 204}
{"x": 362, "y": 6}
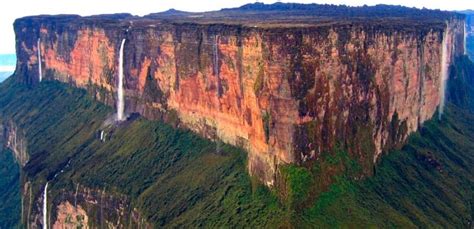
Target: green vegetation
{"x": 259, "y": 81}
{"x": 10, "y": 202}
{"x": 299, "y": 181}
{"x": 267, "y": 120}
{"x": 57, "y": 120}
{"x": 461, "y": 86}
{"x": 174, "y": 177}
{"x": 178, "y": 179}
{"x": 428, "y": 183}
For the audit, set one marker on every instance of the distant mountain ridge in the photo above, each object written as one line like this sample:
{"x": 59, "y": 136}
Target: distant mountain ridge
{"x": 287, "y": 11}
{"x": 340, "y": 10}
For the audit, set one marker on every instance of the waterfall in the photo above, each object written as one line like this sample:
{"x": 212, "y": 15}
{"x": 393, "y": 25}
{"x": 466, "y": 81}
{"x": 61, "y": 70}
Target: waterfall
{"x": 465, "y": 38}
{"x": 444, "y": 72}
{"x": 39, "y": 60}
{"x": 120, "y": 95}
{"x": 45, "y": 206}
{"x": 102, "y": 135}
{"x": 216, "y": 57}
{"x": 75, "y": 195}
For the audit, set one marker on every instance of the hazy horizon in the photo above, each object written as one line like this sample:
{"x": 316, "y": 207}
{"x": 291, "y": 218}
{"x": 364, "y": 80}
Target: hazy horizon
{"x": 7, "y": 65}
{"x": 23, "y": 8}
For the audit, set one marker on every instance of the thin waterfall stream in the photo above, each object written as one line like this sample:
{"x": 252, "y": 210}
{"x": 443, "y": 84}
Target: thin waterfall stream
{"x": 444, "y": 72}
{"x": 120, "y": 93}
{"x": 40, "y": 72}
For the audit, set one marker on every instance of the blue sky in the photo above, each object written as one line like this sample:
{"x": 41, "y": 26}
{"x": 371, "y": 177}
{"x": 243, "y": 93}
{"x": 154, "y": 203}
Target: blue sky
{"x": 19, "y": 8}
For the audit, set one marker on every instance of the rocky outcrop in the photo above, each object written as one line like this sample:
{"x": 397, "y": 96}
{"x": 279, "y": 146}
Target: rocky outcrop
{"x": 69, "y": 216}
{"x": 286, "y": 91}
{"x": 15, "y": 140}
{"x": 100, "y": 208}
{"x": 80, "y": 207}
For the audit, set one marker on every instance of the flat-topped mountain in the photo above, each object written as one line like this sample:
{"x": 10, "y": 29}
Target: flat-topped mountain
{"x": 289, "y": 83}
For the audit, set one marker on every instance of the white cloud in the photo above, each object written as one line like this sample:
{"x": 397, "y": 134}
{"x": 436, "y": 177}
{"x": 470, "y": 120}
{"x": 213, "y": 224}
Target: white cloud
{"x": 19, "y": 8}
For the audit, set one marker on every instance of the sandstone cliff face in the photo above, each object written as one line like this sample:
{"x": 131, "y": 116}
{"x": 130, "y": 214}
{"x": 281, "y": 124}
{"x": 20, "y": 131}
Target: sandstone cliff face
{"x": 284, "y": 93}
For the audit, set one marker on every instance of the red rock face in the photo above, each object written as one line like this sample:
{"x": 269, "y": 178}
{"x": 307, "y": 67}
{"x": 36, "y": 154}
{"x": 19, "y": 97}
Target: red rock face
{"x": 284, "y": 94}
{"x": 89, "y": 60}
{"x": 69, "y": 216}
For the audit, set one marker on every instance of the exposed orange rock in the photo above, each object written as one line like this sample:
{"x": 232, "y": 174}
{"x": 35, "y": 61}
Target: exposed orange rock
{"x": 286, "y": 95}
{"x": 90, "y": 59}
{"x": 70, "y": 217}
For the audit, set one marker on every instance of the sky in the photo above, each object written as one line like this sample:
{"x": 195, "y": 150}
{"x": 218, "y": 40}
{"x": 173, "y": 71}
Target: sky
{"x": 20, "y": 8}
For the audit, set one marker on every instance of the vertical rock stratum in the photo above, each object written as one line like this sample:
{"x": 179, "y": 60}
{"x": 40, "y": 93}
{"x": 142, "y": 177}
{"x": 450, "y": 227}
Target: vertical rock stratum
{"x": 284, "y": 88}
